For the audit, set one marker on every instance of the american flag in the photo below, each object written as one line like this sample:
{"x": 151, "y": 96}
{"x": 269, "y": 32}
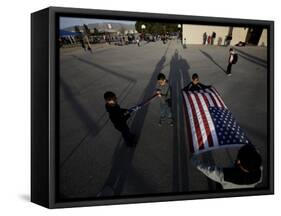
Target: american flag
{"x": 210, "y": 124}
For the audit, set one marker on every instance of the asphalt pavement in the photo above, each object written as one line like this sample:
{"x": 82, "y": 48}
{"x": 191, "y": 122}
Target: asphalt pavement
{"x": 93, "y": 158}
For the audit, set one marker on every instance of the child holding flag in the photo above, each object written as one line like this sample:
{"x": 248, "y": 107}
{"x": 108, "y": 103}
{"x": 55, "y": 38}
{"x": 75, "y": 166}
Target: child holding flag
{"x": 164, "y": 93}
{"x": 119, "y": 117}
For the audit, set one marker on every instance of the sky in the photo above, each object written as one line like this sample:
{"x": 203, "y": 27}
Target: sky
{"x": 71, "y": 21}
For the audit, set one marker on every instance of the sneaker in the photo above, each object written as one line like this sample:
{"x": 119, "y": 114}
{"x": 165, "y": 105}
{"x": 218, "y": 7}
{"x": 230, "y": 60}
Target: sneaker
{"x": 172, "y": 124}
{"x": 160, "y": 123}
{"x": 230, "y": 74}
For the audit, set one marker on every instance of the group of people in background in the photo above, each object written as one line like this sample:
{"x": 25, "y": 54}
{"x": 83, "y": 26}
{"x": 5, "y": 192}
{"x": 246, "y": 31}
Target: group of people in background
{"x": 209, "y": 39}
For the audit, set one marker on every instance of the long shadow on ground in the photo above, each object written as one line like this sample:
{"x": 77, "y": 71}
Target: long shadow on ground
{"x": 180, "y": 77}
{"x": 84, "y": 115}
{"x": 123, "y": 155}
{"x": 251, "y": 56}
{"x": 212, "y": 60}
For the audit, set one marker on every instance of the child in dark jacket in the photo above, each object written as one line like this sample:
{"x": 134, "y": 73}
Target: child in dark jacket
{"x": 230, "y": 61}
{"x": 195, "y": 85}
{"x": 118, "y": 117}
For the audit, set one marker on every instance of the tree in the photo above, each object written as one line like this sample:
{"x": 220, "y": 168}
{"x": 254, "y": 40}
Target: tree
{"x": 156, "y": 27}
{"x": 122, "y": 30}
{"x": 96, "y": 32}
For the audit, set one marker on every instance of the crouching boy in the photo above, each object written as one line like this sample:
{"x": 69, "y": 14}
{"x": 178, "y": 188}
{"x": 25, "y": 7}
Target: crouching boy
{"x": 119, "y": 117}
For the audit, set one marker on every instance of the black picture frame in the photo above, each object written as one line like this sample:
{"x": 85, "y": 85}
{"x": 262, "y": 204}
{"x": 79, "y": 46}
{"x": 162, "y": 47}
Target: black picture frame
{"x": 44, "y": 104}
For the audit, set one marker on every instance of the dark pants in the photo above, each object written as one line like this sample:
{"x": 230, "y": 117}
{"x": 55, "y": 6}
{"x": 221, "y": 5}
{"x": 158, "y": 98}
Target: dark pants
{"x": 165, "y": 112}
{"x": 127, "y": 135}
{"x": 228, "y": 70}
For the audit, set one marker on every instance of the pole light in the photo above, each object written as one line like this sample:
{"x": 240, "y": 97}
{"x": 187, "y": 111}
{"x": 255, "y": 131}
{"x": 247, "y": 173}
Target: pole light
{"x": 143, "y": 28}
{"x": 179, "y": 32}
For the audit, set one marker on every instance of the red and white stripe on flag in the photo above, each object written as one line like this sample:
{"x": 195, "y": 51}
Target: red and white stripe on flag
{"x": 202, "y": 132}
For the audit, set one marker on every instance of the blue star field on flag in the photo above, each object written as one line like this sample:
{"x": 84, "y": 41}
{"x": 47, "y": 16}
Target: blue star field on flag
{"x": 228, "y": 131}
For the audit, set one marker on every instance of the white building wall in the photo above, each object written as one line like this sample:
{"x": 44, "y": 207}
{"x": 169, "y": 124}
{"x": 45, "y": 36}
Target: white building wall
{"x": 194, "y": 33}
{"x": 263, "y": 39}
{"x": 238, "y": 34}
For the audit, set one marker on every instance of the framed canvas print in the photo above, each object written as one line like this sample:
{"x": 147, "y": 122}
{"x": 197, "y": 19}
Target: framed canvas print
{"x": 138, "y": 107}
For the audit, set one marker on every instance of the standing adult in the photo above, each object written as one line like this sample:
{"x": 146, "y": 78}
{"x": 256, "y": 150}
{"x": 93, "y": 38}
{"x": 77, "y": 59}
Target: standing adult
{"x": 195, "y": 84}
{"x": 138, "y": 42}
{"x": 209, "y": 39}
{"x": 204, "y": 38}
{"x": 213, "y": 37}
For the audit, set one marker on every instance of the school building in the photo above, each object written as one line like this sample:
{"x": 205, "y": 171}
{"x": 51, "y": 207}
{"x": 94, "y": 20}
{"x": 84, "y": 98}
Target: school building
{"x": 193, "y": 34}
